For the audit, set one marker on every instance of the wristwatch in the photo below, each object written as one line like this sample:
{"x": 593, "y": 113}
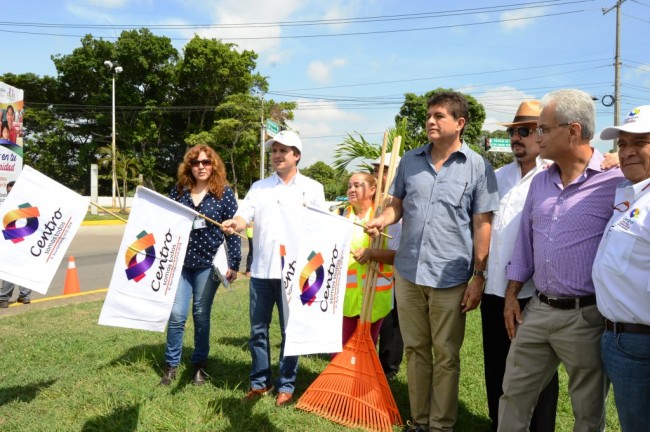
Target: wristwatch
{"x": 481, "y": 273}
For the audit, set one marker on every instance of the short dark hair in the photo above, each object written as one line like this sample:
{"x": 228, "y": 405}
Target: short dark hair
{"x": 11, "y": 183}
{"x": 455, "y": 103}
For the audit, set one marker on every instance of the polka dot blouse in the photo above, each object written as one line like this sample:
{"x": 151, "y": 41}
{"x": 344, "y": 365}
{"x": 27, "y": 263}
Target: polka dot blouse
{"x": 204, "y": 242}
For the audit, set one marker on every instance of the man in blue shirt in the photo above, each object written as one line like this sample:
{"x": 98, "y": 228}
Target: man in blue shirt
{"x": 445, "y": 194}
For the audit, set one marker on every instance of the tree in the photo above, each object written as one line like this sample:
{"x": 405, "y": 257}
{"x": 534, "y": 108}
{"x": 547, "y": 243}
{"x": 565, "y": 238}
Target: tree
{"x": 335, "y": 185}
{"x": 414, "y": 110}
{"x": 352, "y": 149}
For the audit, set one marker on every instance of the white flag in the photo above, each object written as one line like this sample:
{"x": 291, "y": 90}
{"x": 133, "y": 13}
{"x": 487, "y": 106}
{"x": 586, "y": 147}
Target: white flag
{"x": 314, "y": 273}
{"x": 149, "y": 263}
{"x": 40, "y": 217}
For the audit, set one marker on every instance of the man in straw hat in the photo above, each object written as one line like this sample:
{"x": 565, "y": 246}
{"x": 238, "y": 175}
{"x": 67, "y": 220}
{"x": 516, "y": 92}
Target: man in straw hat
{"x": 513, "y": 181}
{"x": 566, "y": 210}
{"x": 285, "y": 186}
{"x": 445, "y": 194}
{"x": 621, "y": 271}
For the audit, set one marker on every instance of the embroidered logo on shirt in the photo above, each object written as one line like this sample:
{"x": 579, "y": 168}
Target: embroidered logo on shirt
{"x": 634, "y": 213}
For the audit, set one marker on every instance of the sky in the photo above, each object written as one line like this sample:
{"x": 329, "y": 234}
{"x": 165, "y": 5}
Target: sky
{"x": 348, "y": 63}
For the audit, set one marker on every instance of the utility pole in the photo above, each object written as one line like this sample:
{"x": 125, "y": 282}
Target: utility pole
{"x": 617, "y": 63}
{"x": 262, "y": 129}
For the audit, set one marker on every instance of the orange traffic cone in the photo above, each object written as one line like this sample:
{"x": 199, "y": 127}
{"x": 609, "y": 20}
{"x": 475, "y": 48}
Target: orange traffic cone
{"x": 71, "y": 284}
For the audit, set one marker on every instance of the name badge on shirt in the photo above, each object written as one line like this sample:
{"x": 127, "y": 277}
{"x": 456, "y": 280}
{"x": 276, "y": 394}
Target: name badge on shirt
{"x": 199, "y": 223}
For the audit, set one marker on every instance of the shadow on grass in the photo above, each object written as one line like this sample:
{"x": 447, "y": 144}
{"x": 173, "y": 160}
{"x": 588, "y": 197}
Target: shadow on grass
{"x": 237, "y": 342}
{"x": 25, "y": 393}
{"x": 241, "y": 415}
{"x": 122, "y": 419}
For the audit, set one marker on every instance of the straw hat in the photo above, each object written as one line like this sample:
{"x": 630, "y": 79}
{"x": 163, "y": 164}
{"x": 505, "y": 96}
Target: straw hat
{"x": 528, "y": 112}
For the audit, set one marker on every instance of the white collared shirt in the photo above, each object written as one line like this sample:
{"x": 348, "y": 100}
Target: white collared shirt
{"x": 263, "y": 197}
{"x": 513, "y": 190}
{"x": 621, "y": 271}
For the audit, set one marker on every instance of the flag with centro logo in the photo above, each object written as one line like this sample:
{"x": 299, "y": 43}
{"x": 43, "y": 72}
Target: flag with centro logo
{"x": 149, "y": 263}
{"x": 315, "y": 265}
{"x": 40, "y": 217}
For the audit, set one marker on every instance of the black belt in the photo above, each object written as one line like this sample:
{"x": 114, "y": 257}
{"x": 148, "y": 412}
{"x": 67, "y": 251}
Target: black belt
{"x": 618, "y": 327}
{"x": 566, "y": 302}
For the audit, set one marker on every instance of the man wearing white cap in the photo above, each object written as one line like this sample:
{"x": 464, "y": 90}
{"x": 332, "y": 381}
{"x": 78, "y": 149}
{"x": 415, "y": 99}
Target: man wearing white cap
{"x": 513, "y": 182}
{"x": 621, "y": 275}
{"x": 285, "y": 186}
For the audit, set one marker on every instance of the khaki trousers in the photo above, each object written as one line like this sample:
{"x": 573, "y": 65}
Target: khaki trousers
{"x": 547, "y": 337}
{"x": 433, "y": 329}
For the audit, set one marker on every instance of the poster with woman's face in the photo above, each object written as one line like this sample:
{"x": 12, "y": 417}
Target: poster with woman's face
{"x": 11, "y": 135}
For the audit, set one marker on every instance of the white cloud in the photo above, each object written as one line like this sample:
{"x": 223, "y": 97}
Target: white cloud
{"x": 320, "y": 71}
{"x": 322, "y": 125}
{"x": 500, "y": 105}
{"x": 518, "y": 19}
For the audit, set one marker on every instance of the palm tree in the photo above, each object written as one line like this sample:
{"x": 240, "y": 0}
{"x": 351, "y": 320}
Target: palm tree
{"x": 352, "y": 149}
{"x": 126, "y": 167}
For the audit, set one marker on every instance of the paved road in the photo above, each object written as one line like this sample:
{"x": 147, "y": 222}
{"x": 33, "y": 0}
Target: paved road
{"x": 95, "y": 250}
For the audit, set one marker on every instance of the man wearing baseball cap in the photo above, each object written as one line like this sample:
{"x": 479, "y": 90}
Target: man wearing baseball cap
{"x": 288, "y": 187}
{"x": 621, "y": 275}
{"x": 513, "y": 182}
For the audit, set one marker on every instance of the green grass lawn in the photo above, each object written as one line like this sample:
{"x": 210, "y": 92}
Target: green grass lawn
{"x": 63, "y": 372}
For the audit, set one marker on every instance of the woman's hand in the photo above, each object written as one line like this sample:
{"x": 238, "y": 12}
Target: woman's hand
{"x": 361, "y": 255}
{"x": 231, "y": 275}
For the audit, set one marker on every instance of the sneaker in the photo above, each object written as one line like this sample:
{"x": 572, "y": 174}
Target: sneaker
{"x": 257, "y": 393}
{"x": 414, "y": 427}
{"x": 4, "y": 304}
{"x": 24, "y": 300}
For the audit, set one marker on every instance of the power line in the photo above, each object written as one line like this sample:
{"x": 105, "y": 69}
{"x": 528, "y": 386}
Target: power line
{"x": 309, "y": 36}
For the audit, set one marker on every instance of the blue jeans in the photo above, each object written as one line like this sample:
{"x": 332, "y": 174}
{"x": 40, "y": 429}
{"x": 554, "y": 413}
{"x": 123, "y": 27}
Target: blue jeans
{"x": 626, "y": 359}
{"x": 7, "y": 290}
{"x": 264, "y": 294}
{"x": 199, "y": 284}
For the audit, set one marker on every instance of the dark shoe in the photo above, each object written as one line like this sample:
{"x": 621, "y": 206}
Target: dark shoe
{"x": 256, "y": 393}
{"x": 24, "y": 300}
{"x": 4, "y": 304}
{"x": 413, "y": 427}
{"x": 199, "y": 374}
{"x": 283, "y": 399}
{"x": 168, "y": 376}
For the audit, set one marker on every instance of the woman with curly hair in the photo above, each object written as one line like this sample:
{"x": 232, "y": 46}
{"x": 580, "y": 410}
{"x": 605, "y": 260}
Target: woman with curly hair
{"x": 201, "y": 186}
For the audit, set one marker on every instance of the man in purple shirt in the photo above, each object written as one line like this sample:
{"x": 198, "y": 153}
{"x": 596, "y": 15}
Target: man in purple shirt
{"x": 562, "y": 223}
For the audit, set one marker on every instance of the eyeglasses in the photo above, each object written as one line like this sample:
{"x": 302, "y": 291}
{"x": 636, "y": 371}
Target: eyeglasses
{"x": 543, "y": 129}
{"x": 204, "y": 162}
{"x": 622, "y": 206}
{"x": 522, "y": 131}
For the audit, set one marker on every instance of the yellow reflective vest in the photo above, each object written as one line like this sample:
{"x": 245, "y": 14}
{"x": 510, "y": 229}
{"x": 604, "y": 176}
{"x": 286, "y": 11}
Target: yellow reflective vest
{"x": 383, "y": 302}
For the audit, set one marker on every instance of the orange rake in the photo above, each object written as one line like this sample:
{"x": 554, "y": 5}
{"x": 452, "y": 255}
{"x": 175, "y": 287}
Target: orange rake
{"x": 353, "y": 390}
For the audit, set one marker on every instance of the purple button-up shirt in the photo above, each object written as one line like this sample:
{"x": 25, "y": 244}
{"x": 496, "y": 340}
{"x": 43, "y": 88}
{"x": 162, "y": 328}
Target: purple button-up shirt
{"x": 561, "y": 228}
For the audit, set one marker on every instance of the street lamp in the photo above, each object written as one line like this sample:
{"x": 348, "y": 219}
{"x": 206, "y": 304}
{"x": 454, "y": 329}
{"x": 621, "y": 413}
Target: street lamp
{"x": 114, "y": 69}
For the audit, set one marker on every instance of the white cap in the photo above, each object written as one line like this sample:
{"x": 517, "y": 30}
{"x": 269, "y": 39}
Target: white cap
{"x": 637, "y": 121}
{"x": 386, "y": 160}
{"x": 286, "y": 137}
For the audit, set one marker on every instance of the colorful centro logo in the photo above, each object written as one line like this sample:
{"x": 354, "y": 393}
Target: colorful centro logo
{"x": 17, "y": 234}
{"x": 308, "y": 291}
{"x": 143, "y": 245}
{"x": 634, "y": 213}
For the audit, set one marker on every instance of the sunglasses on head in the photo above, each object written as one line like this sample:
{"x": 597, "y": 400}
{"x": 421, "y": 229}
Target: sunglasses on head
{"x": 523, "y": 131}
{"x": 204, "y": 162}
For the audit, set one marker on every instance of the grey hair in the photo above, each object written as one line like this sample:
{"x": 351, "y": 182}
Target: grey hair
{"x": 573, "y": 106}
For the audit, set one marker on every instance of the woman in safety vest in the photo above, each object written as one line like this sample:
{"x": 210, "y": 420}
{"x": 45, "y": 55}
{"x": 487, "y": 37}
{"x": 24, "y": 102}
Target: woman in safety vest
{"x": 361, "y": 191}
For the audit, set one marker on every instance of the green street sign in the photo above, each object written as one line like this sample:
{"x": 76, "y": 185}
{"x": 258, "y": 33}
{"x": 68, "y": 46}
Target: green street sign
{"x": 272, "y": 128}
{"x": 500, "y": 145}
